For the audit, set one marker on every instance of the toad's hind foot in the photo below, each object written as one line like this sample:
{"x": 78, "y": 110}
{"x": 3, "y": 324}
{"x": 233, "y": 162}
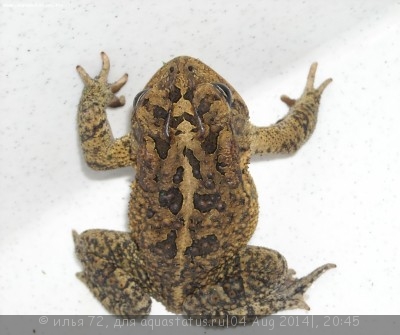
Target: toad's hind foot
{"x": 111, "y": 271}
{"x": 257, "y": 282}
{"x": 293, "y": 289}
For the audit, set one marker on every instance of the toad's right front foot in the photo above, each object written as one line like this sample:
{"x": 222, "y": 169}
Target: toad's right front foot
{"x": 99, "y": 90}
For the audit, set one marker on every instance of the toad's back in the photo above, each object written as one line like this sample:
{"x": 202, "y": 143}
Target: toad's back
{"x": 193, "y": 204}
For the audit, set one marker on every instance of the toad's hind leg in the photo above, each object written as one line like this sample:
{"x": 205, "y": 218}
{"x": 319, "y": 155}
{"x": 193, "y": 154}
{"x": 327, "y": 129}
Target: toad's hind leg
{"x": 112, "y": 271}
{"x": 257, "y": 282}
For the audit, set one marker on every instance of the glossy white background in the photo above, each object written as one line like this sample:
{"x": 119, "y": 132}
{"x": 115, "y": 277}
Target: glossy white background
{"x": 336, "y": 200}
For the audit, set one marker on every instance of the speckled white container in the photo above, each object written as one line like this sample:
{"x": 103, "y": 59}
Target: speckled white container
{"x": 335, "y": 201}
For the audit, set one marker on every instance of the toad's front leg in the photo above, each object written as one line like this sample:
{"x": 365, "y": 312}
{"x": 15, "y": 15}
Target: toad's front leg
{"x": 288, "y": 134}
{"x": 100, "y": 149}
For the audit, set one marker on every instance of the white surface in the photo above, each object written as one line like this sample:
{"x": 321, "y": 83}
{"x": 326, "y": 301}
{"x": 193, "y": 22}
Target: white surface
{"x": 335, "y": 201}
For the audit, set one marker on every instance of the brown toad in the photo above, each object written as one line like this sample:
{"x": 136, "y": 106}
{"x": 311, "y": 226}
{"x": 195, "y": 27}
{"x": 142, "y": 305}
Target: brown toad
{"x": 193, "y": 206}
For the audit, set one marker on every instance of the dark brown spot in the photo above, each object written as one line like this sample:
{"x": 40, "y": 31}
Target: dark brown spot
{"x": 194, "y": 162}
{"x": 190, "y": 118}
{"x": 175, "y": 94}
{"x": 175, "y": 208}
{"x": 162, "y": 147}
{"x": 175, "y": 121}
{"x": 206, "y": 202}
{"x": 209, "y": 184}
{"x": 166, "y": 248}
{"x": 204, "y": 107}
{"x": 190, "y": 68}
{"x": 189, "y": 95}
{"x": 159, "y": 112}
{"x": 178, "y": 176}
{"x": 203, "y": 246}
{"x": 150, "y": 213}
{"x": 172, "y": 199}
{"x": 221, "y": 206}
{"x": 209, "y": 144}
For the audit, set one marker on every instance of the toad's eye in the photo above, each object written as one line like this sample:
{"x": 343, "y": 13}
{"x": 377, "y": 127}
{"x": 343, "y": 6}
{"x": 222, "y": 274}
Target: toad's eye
{"x": 138, "y": 97}
{"x": 225, "y": 91}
